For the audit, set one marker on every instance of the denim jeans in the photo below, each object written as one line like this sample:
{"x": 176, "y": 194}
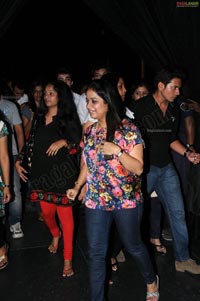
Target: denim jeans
{"x": 165, "y": 182}
{"x": 183, "y": 168}
{"x": 98, "y": 224}
{"x": 116, "y": 244}
{"x": 15, "y": 205}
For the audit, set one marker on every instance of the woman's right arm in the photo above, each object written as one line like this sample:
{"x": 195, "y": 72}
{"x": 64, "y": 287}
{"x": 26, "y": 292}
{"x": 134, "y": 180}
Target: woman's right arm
{"x": 5, "y": 167}
{"x": 72, "y": 193}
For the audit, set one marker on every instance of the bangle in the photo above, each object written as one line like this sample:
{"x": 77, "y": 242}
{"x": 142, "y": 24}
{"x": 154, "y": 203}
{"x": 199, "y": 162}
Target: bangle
{"x": 189, "y": 145}
{"x": 120, "y": 153}
{"x": 77, "y": 183}
{"x": 6, "y": 185}
{"x": 185, "y": 153}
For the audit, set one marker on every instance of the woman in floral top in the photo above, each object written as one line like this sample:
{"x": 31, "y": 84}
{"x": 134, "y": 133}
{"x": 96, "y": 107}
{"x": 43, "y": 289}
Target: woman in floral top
{"x": 112, "y": 165}
{"x": 5, "y": 194}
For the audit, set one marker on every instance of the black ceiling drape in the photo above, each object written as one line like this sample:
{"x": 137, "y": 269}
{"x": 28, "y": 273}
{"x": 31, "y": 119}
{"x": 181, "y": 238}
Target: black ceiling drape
{"x": 159, "y": 31}
{"x": 8, "y": 11}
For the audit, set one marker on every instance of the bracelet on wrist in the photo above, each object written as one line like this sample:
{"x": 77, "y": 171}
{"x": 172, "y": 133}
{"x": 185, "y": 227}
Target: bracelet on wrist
{"x": 120, "y": 153}
{"x": 6, "y": 185}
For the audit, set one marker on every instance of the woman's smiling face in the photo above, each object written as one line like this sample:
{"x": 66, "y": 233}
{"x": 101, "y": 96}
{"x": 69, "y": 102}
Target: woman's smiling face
{"x": 96, "y": 105}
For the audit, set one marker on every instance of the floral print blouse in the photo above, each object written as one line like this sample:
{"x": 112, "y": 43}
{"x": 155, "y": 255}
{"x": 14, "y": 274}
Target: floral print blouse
{"x": 109, "y": 185}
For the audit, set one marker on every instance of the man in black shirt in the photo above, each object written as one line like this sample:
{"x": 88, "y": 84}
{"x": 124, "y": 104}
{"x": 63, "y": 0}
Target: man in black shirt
{"x": 158, "y": 117}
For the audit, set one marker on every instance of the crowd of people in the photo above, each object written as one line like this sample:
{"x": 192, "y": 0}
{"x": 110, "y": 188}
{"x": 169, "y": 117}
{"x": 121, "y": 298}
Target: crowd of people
{"x": 111, "y": 149}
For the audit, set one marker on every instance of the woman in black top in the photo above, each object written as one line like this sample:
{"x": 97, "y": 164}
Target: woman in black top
{"x": 54, "y": 166}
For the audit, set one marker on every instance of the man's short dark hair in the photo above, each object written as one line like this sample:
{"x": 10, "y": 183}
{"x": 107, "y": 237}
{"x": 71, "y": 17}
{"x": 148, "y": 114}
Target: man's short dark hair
{"x": 165, "y": 75}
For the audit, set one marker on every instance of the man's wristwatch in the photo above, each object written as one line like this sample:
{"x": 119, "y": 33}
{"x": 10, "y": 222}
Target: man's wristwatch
{"x": 189, "y": 145}
{"x": 6, "y": 185}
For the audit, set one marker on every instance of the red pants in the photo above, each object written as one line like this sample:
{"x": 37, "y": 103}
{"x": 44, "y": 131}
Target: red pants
{"x": 65, "y": 215}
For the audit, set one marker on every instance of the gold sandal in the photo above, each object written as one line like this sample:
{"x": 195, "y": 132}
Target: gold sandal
{"x": 4, "y": 258}
{"x": 154, "y": 296}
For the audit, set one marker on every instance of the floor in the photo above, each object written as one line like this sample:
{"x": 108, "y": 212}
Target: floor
{"x": 33, "y": 274}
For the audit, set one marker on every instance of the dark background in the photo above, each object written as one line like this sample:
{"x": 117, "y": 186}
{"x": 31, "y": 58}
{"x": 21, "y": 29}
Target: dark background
{"x": 47, "y": 35}
{"x": 39, "y": 36}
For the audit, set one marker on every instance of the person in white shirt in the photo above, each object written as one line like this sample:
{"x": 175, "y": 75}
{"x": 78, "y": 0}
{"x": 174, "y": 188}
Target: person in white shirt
{"x": 65, "y": 75}
{"x": 97, "y": 72}
{"x": 11, "y": 112}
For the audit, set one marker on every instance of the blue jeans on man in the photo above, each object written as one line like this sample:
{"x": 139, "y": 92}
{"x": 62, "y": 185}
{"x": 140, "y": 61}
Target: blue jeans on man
{"x": 166, "y": 183}
{"x": 15, "y": 205}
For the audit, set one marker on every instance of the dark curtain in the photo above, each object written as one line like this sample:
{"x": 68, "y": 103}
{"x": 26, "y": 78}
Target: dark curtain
{"x": 160, "y": 32}
{"x": 9, "y": 9}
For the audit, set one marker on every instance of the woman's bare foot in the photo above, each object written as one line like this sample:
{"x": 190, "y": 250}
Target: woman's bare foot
{"x": 54, "y": 245}
{"x": 68, "y": 269}
{"x": 40, "y": 217}
{"x": 153, "y": 291}
{"x": 3, "y": 256}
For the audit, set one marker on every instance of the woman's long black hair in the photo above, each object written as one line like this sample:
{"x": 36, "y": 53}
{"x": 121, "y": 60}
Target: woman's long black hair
{"x": 33, "y": 85}
{"x": 116, "y": 111}
{"x": 69, "y": 125}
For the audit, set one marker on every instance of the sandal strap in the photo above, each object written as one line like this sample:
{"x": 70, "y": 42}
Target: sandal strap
{"x": 155, "y": 294}
{"x": 68, "y": 272}
{"x": 3, "y": 261}
{"x": 4, "y": 256}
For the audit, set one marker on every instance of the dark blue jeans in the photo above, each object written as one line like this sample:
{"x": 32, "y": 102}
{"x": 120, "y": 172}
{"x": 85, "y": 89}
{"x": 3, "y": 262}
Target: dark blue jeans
{"x": 15, "y": 205}
{"x": 98, "y": 224}
{"x": 165, "y": 182}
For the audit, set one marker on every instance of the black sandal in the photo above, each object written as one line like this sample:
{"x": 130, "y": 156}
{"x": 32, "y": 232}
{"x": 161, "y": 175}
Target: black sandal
{"x": 114, "y": 264}
{"x": 159, "y": 248}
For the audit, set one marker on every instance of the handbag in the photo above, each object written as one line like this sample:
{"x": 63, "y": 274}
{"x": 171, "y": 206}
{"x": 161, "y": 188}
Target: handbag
{"x": 26, "y": 154}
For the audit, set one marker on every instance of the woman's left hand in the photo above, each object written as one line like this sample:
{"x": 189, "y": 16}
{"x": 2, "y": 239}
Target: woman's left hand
{"x": 109, "y": 148}
{"x": 55, "y": 147}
